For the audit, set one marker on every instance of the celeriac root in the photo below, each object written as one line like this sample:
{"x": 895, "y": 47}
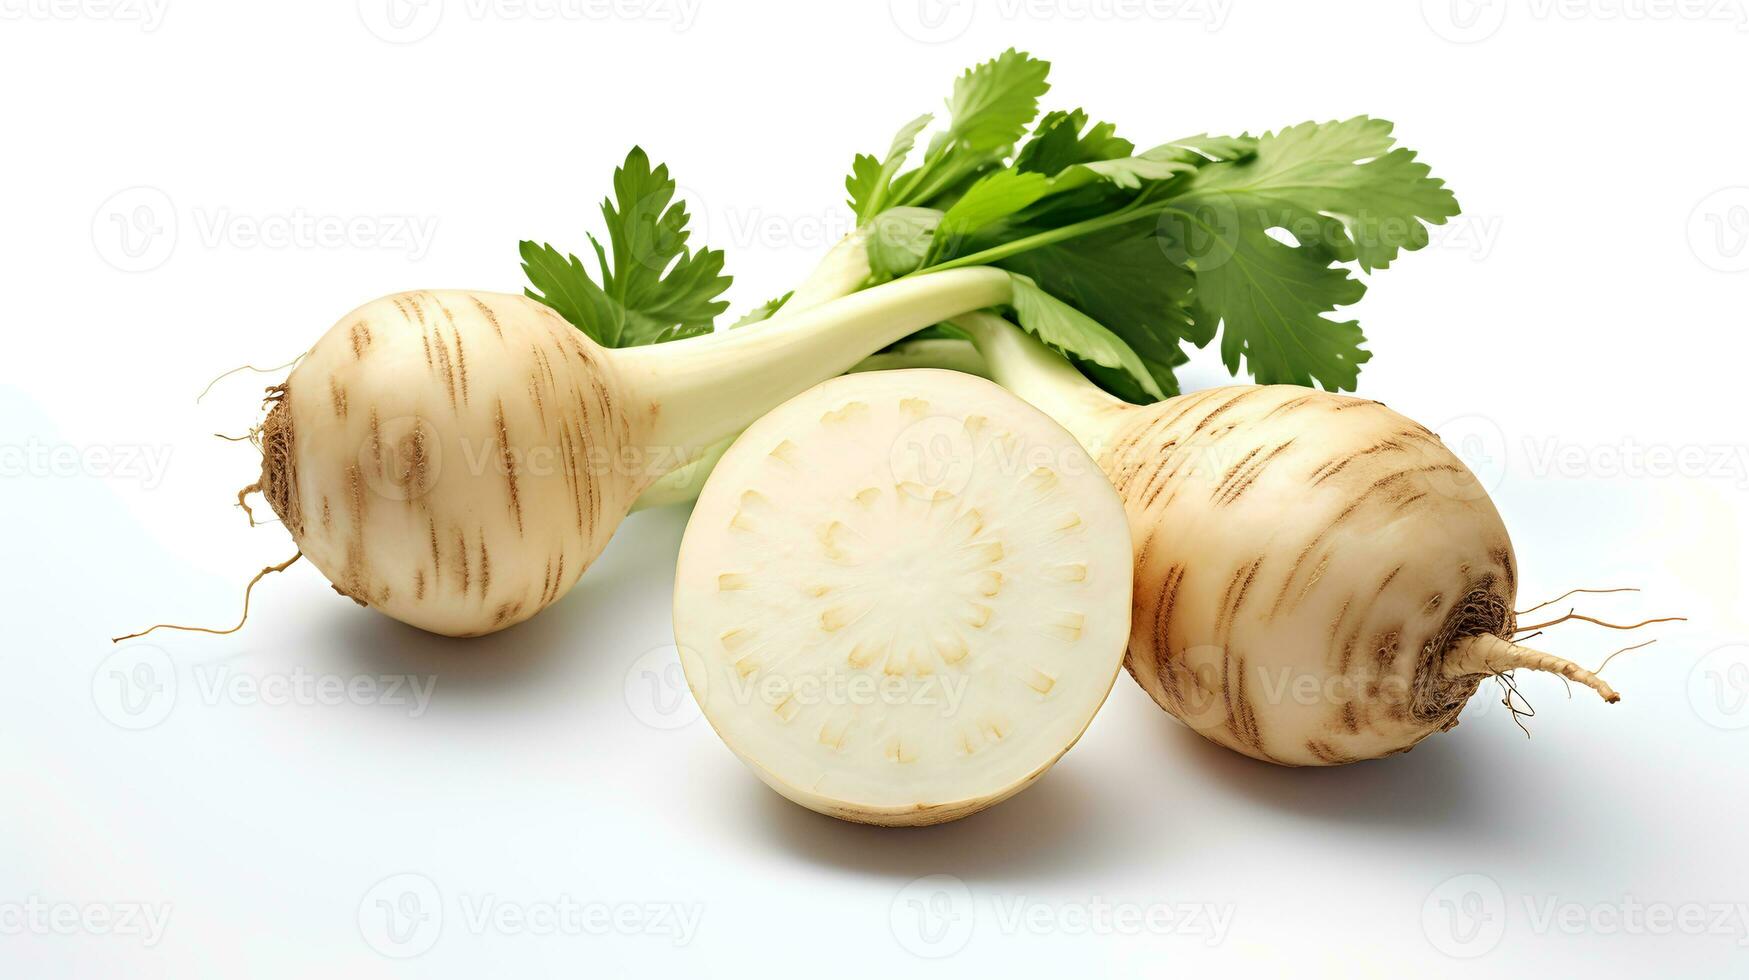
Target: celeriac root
{"x": 282, "y": 566}
{"x": 1489, "y": 654}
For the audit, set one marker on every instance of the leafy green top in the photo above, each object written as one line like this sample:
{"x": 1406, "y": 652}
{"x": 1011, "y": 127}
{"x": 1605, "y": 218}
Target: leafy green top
{"x": 655, "y": 288}
{"x": 1120, "y": 257}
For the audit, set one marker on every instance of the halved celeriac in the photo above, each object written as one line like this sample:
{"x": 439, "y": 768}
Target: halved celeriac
{"x": 902, "y": 596}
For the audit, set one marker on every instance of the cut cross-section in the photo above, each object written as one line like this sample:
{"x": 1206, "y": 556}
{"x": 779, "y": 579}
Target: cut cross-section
{"x": 903, "y": 596}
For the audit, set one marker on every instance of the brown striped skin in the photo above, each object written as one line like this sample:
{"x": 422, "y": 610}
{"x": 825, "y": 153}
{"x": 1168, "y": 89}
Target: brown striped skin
{"x": 455, "y": 456}
{"x": 1303, "y": 560}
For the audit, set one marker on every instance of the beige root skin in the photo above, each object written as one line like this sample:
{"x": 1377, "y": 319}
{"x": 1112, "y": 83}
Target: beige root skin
{"x": 1308, "y": 565}
{"x": 457, "y": 460}
{"x": 1488, "y": 654}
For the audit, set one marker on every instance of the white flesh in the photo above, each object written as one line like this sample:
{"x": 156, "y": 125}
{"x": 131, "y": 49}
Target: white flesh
{"x": 902, "y": 596}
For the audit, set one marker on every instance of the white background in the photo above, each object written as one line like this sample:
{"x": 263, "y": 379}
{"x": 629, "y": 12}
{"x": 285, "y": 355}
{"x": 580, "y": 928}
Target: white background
{"x": 1578, "y": 334}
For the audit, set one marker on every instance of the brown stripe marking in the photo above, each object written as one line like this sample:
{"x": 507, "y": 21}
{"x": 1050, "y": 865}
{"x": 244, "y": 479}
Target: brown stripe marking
{"x": 354, "y": 575}
{"x": 419, "y": 584}
{"x": 461, "y": 550}
{"x": 1340, "y": 657}
{"x": 376, "y": 443}
{"x": 414, "y": 481}
{"x": 1348, "y": 402}
{"x": 360, "y": 335}
{"x": 448, "y": 370}
{"x": 1164, "y": 605}
{"x": 1222, "y": 408}
{"x": 436, "y": 555}
{"x": 1241, "y": 713}
{"x": 1404, "y": 504}
{"x": 509, "y": 467}
{"x": 1237, "y": 490}
{"x": 1233, "y": 473}
{"x": 461, "y": 362}
{"x": 1324, "y": 752}
{"x": 485, "y": 569}
{"x": 1287, "y": 406}
{"x": 338, "y": 395}
{"x": 402, "y": 308}
{"x": 486, "y": 311}
{"x": 1306, "y": 552}
{"x": 1238, "y": 587}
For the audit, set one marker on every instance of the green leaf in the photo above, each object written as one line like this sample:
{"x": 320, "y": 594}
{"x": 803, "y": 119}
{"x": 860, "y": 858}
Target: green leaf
{"x": 651, "y": 288}
{"x": 898, "y": 240}
{"x": 763, "y": 311}
{"x": 1340, "y": 184}
{"x": 993, "y": 102}
{"x": 991, "y": 199}
{"x": 1122, "y": 278}
{"x": 1268, "y": 300}
{"x": 989, "y": 110}
{"x": 1057, "y": 143}
{"x": 1072, "y": 331}
{"x": 1340, "y": 193}
{"x": 868, "y": 180}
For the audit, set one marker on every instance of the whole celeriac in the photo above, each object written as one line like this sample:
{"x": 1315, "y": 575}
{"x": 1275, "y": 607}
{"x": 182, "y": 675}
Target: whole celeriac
{"x": 902, "y": 596}
{"x": 1319, "y": 580}
{"x": 457, "y": 459}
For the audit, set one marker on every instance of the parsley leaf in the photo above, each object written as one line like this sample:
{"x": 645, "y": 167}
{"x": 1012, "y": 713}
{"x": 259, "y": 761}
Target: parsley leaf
{"x": 1068, "y": 329}
{"x": 1343, "y": 195}
{"x": 988, "y": 113}
{"x": 654, "y": 288}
